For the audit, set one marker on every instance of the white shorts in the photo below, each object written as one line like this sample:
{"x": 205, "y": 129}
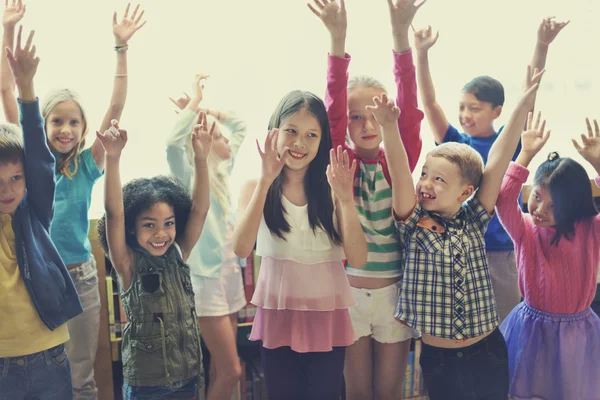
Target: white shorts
{"x": 374, "y": 315}
{"x": 220, "y": 296}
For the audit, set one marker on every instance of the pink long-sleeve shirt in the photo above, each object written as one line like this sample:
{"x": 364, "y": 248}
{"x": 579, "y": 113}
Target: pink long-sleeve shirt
{"x": 409, "y": 122}
{"x": 556, "y": 279}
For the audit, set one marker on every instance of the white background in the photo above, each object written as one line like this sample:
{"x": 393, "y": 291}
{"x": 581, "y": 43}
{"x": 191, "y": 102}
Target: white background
{"x": 256, "y": 51}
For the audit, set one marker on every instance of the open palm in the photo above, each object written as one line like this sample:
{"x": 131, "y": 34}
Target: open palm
{"x": 332, "y": 15}
{"x": 202, "y": 137}
{"x": 13, "y": 13}
{"x": 125, "y": 29}
{"x": 533, "y": 139}
{"x": 340, "y": 174}
{"x": 590, "y": 148}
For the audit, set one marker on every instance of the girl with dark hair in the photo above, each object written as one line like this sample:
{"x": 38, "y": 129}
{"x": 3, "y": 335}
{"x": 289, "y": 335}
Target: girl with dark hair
{"x": 300, "y": 214}
{"x": 148, "y": 232}
{"x": 558, "y": 254}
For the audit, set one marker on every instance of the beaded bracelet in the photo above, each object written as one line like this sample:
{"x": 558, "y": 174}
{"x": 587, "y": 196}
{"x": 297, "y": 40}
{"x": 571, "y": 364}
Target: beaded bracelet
{"x": 123, "y": 48}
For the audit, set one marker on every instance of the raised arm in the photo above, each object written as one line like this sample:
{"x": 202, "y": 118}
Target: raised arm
{"x": 123, "y": 31}
{"x": 336, "y": 93}
{"x": 38, "y": 163}
{"x": 178, "y": 151}
{"x": 113, "y": 141}
{"x": 438, "y": 122}
{"x": 340, "y": 174}
{"x": 253, "y": 196}
{"x": 13, "y": 13}
{"x": 402, "y": 13}
{"x": 403, "y": 189}
{"x": 504, "y": 147}
{"x": 547, "y": 32}
{"x": 201, "y": 143}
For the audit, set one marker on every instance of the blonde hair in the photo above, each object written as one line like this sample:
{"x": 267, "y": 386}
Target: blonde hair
{"x": 55, "y": 98}
{"x": 11, "y": 144}
{"x": 218, "y": 172}
{"x": 364, "y": 81}
{"x": 468, "y": 161}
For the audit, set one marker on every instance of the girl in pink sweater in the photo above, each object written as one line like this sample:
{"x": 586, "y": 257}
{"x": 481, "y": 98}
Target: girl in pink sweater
{"x": 553, "y": 337}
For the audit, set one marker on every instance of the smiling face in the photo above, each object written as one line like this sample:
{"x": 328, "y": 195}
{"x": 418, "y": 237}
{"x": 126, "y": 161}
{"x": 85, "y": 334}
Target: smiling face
{"x": 541, "y": 207}
{"x": 301, "y": 133}
{"x": 441, "y": 187}
{"x": 12, "y": 186}
{"x": 65, "y": 126}
{"x": 155, "y": 228}
{"x": 477, "y": 117}
{"x": 363, "y": 128}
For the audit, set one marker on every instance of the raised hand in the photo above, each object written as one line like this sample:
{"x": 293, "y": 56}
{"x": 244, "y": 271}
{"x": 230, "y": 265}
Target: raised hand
{"x": 23, "y": 62}
{"x": 181, "y": 101}
{"x": 202, "y": 137}
{"x": 199, "y": 86}
{"x": 590, "y": 148}
{"x": 13, "y": 13}
{"x": 402, "y": 12}
{"x": 125, "y": 29}
{"x": 534, "y": 138}
{"x": 113, "y": 139}
{"x": 384, "y": 110}
{"x": 549, "y": 29}
{"x": 424, "y": 39}
{"x": 340, "y": 174}
{"x": 272, "y": 162}
{"x": 332, "y": 15}
{"x": 532, "y": 83}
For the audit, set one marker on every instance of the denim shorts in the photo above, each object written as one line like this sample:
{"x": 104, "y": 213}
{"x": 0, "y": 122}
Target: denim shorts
{"x": 45, "y": 375}
{"x": 178, "y": 390}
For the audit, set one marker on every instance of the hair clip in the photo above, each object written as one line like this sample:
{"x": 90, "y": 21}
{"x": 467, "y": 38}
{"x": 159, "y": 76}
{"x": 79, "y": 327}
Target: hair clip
{"x": 553, "y": 156}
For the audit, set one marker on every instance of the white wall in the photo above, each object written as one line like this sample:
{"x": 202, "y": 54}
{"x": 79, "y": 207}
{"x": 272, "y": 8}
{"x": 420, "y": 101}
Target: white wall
{"x": 257, "y": 51}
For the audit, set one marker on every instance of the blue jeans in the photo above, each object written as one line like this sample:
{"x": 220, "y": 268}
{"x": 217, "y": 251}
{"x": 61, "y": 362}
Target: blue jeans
{"x": 178, "y": 390}
{"x": 475, "y": 372}
{"x": 40, "y": 376}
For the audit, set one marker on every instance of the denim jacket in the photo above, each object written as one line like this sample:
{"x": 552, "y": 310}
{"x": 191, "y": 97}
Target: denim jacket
{"x": 45, "y": 275}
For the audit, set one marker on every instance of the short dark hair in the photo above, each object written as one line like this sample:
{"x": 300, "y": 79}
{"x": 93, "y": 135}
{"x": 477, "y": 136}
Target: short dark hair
{"x": 571, "y": 192}
{"x": 486, "y": 89}
{"x": 316, "y": 186}
{"x": 11, "y": 144}
{"x": 140, "y": 195}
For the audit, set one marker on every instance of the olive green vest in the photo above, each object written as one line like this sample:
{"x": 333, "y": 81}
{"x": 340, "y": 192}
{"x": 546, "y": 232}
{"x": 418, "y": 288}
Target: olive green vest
{"x": 161, "y": 341}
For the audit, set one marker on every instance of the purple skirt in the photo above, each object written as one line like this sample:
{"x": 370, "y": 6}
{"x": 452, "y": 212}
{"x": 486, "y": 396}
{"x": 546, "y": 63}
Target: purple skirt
{"x": 552, "y": 356}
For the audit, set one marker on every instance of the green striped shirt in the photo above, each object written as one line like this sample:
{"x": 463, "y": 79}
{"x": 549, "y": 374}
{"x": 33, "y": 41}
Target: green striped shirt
{"x": 373, "y": 199}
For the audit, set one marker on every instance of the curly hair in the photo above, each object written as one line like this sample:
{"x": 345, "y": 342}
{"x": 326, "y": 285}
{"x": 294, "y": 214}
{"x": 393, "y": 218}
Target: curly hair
{"x": 140, "y": 195}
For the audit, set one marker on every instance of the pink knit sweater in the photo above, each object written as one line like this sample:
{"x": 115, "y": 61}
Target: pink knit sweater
{"x": 556, "y": 279}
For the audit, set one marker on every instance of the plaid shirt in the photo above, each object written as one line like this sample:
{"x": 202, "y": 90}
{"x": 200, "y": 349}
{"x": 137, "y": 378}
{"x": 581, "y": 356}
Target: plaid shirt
{"x": 446, "y": 289}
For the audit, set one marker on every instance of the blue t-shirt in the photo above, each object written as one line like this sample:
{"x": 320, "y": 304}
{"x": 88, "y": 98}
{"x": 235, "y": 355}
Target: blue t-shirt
{"x": 496, "y": 238}
{"x": 70, "y": 225}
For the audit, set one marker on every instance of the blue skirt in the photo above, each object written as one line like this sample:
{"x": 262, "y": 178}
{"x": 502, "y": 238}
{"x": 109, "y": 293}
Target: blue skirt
{"x": 552, "y": 356}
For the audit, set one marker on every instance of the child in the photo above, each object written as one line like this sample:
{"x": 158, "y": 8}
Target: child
{"x": 375, "y": 364}
{"x": 302, "y": 233}
{"x": 216, "y": 273}
{"x": 37, "y": 296}
{"x": 148, "y": 232}
{"x": 446, "y": 290}
{"x": 77, "y": 170}
{"x": 553, "y": 337}
{"x": 480, "y": 105}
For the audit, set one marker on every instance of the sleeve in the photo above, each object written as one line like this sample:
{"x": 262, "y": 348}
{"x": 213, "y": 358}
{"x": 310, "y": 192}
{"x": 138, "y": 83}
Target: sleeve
{"x": 597, "y": 218}
{"x": 409, "y": 122}
{"x": 407, "y": 227}
{"x": 238, "y": 130}
{"x": 177, "y": 159}
{"x": 87, "y": 163}
{"x": 507, "y": 205}
{"x": 453, "y": 135}
{"x": 478, "y": 215}
{"x": 336, "y": 98}
{"x": 38, "y": 163}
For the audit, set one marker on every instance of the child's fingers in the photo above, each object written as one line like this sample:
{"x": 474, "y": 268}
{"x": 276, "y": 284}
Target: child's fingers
{"x": 135, "y": 12}
{"x": 339, "y": 155}
{"x": 139, "y": 18}
{"x": 597, "y": 128}
{"x": 543, "y": 128}
{"x": 418, "y": 4}
{"x": 284, "y": 155}
{"x": 353, "y": 167}
{"x": 343, "y": 6}
{"x": 314, "y": 10}
{"x": 19, "y": 35}
{"x": 384, "y": 98}
{"x": 123, "y": 133}
{"x": 332, "y": 161}
{"x": 274, "y": 138}
{"x": 577, "y": 146}
{"x": 29, "y": 40}
{"x": 346, "y": 160}
{"x": 212, "y": 128}
{"x": 529, "y": 121}
{"x": 320, "y": 3}
{"x": 259, "y": 149}
{"x": 115, "y": 18}
{"x": 126, "y": 11}
{"x": 589, "y": 127}
{"x": 546, "y": 137}
{"x": 537, "y": 120}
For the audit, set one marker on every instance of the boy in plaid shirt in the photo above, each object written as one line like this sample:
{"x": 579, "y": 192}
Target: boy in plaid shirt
{"x": 446, "y": 291}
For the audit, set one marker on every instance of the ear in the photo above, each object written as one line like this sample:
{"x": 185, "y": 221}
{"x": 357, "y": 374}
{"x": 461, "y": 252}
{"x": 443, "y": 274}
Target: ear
{"x": 496, "y": 111}
{"x": 466, "y": 193}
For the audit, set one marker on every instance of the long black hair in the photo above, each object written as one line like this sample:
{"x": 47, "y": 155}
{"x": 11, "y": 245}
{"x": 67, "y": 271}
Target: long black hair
{"x": 316, "y": 186}
{"x": 571, "y": 192}
{"x": 140, "y": 195}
